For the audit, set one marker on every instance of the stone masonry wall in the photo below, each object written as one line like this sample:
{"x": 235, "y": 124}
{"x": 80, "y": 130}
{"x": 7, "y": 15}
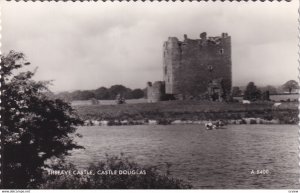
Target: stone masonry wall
{"x": 186, "y": 64}
{"x": 155, "y": 91}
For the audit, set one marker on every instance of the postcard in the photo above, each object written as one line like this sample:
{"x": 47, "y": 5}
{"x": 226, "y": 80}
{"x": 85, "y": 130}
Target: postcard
{"x": 149, "y": 95}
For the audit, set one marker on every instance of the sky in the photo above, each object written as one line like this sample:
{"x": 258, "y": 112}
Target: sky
{"x": 87, "y": 45}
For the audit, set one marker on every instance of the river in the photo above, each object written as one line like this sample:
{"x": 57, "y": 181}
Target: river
{"x": 221, "y": 158}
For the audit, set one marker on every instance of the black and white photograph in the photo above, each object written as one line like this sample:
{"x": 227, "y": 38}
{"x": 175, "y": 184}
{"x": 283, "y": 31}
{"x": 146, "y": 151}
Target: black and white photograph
{"x": 149, "y": 95}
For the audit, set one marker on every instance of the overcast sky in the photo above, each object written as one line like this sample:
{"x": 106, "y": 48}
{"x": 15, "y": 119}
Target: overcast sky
{"x": 88, "y": 45}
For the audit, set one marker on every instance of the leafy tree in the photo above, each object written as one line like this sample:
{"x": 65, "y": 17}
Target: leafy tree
{"x": 102, "y": 93}
{"x": 265, "y": 95}
{"x": 34, "y": 127}
{"x": 83, "y": 95}
{"x": 137, "y": 93}
{"x": 236, "y": 91}
{"x": 116, "y": 90}
{"x": 290, "y": 85}
{"x": 252, "y": 93}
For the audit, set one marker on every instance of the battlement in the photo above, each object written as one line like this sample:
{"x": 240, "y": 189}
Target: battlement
{"x": 204, "y": 40}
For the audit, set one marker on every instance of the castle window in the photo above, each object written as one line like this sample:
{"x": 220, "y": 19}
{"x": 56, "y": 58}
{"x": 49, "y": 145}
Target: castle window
{"x": 221, "y": 51}
{"x": 166, "y": 69}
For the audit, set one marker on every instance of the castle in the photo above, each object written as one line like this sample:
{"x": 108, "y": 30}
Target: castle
{"x": 194, "y": 69}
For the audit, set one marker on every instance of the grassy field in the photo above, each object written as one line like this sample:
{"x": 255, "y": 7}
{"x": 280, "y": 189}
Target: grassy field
{"x": 107, "y": 102}
{"x": 189, "y": 110}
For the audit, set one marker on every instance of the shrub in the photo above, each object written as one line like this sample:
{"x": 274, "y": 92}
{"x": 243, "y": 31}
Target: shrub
{"x": 253, "y": 121}
{"x": 287, "y": 117}
{"x": 252, "y": 93}
{"x": 268, "y": 117}
{"x": 163, "y": 121}
{"x": 243, "y": 121}
{"x": 34, "y": 126}
{"x": 151, "y": 179}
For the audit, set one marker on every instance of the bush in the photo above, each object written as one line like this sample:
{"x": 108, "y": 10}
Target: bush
{"x": 252, "y": 93}
{"x": 243, "y": 121}
{"x": 164, "y": 121}
{"x": 268, "y": 117}
{"x": 253, "y": 121}
{"x": 34, "y": 126}
{"x": 150, "y": 179}
{"x": 287, "y": 117}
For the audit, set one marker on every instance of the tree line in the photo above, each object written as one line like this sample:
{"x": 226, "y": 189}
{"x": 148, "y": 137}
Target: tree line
{"x": 103, "y": 93}
{"x": 114, "y": 91}
{"x": 252, "y": 92}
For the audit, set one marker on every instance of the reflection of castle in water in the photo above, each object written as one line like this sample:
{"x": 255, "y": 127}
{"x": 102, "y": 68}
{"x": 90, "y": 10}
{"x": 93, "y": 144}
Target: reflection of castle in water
{"x": 194, "y": 69}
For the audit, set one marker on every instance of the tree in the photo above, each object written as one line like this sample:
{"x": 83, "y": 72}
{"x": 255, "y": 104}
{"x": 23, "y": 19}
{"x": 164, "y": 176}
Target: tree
{"x": 290, "y": 86}
{"x": 116, "y": 90}
{"x": 265, "y": 95}
{"x": 102, "y": 93}
{"x": 236, "y": 91}
{"x": 252, "y": 93}
{"x": 270, "y": 89}
{"x": 120, "y": 99}
{"x": 34, "y": 127}
{"x": 137, "y": 93}
{"x": 83, "y": 95}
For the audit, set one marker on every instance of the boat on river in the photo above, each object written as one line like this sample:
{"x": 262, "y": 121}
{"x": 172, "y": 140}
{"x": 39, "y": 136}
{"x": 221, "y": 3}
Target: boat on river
{"x": 214, "y": 125}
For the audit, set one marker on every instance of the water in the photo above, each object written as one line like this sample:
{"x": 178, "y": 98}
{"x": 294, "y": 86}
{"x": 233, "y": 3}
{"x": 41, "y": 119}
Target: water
{"x": 207, "y": 159}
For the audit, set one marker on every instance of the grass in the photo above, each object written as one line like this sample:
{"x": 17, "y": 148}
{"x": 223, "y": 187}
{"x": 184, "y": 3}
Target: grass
{"x": 167, "y": 111}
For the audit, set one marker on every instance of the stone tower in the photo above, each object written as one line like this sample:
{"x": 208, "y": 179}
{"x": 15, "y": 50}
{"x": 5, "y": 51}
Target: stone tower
{"x": 155, "y": 91}
{"x": 191, "y": 65}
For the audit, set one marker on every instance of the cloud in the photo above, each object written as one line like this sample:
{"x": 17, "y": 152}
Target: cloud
{"x": 88, "y": 45}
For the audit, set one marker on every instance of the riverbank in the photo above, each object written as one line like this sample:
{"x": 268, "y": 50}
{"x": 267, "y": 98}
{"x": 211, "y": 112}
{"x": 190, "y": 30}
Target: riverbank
{"x": 188, "y": 112}
{"x": 176, "y": 122}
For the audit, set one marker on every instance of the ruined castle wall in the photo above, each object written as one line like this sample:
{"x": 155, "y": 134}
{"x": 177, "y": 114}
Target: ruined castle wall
{"x": 155, "y": 91}
{"x": 188, "y": 64}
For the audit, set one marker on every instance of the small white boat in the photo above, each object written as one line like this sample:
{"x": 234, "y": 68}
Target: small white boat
{"x": 214, "y": 125}
{"x": 210, "y": 126}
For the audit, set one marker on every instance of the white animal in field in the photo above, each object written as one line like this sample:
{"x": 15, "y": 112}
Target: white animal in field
{"x": 152, "y": 122}
{"x": 277, "y": 104}
{"x": 95, "y": 122}
{"x": 104, "y": 122}
{"x": 124, "y": 122}
{"x": 246, "y": 102}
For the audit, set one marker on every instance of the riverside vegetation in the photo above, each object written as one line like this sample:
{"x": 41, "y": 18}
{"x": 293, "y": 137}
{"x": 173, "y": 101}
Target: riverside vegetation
{"x": 37, "y": 129}
{"x": 167, "y": 112}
